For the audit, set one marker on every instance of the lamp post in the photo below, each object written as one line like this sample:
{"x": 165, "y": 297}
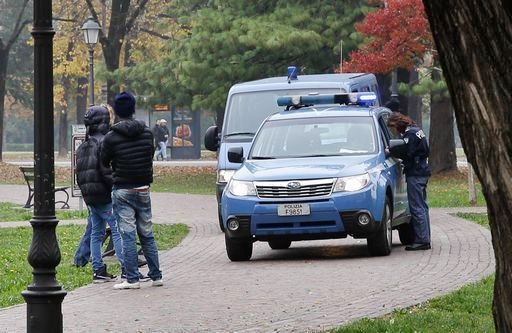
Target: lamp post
{"x": 44, "y": 295}
{"x": 91, "y": 30}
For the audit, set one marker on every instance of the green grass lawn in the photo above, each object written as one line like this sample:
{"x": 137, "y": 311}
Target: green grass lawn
{"x": 17, "y": 273}
{"x": 13, "y": 212}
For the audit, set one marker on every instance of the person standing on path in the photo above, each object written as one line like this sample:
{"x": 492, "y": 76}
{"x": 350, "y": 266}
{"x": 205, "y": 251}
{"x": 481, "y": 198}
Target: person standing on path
{"x": 161, "y": 140}
{"x": 417, "y": 173}
{"x": 95, "y": 182}
{"x": 128, "y": 149}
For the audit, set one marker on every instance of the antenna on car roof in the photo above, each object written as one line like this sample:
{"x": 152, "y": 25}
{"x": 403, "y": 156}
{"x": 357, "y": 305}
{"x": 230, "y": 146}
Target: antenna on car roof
{"x": 292, "y": 73}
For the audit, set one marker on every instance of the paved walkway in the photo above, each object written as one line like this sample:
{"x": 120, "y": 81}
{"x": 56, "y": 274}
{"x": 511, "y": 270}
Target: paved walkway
{"x": 312, "y": 286}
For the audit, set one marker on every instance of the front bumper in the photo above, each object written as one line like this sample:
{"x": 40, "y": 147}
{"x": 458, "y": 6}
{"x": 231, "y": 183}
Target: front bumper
{"x": 335, "y": 216}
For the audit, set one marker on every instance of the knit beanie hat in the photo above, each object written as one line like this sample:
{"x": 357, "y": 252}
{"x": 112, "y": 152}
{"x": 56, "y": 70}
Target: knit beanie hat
{"x": 124, "y": 105}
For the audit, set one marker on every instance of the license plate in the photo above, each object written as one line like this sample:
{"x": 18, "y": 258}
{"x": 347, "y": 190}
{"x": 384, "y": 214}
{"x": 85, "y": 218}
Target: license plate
{"x": 293, "y": 209}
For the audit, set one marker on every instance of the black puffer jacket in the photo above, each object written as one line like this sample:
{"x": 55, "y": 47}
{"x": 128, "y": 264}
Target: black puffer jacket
{"x": 128, "y": 148}
{"x": 94, "y": 180}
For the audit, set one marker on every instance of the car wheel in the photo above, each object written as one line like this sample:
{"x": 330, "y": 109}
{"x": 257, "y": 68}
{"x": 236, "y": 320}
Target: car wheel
{"x": 238, "y": 249}
{"x": 406, "y": 233}
{"x": 380, "y": 243}
{"x": 221, "y": 224}
{"x": 279, "y": 244}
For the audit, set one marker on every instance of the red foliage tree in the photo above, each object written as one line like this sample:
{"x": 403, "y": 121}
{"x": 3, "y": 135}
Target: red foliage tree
{"x": 398, "y": 36}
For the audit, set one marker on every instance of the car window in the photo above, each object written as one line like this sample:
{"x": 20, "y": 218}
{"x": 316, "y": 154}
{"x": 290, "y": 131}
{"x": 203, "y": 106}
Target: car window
{"x": 326, "y": 136}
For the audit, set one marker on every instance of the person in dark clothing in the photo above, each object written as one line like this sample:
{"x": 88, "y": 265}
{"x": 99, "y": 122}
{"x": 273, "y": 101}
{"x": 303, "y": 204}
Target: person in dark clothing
{"x": 417, "y": 173}
{"x": 95, "y": 182}
{"x": 156, "y": 132}
{"x": 128, "y": 149}
{"x": 161, "y": 134}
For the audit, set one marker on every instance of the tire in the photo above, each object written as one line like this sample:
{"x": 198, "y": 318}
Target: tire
{"x": 221, "y": 224}
{"x": 380, "y": 243}
{"x": 238, "y": 249}
{"x": 406, "y": 233}
{"x": 279, "y": 244}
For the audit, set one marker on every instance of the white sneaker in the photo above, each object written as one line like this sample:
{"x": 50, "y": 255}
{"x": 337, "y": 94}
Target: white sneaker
{"x": 157, "y": 283}
{"x": 127, "y": 285}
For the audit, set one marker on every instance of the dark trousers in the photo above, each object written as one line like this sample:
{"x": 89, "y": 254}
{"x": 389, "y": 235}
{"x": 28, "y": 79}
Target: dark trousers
{"x": 417, "y": 195}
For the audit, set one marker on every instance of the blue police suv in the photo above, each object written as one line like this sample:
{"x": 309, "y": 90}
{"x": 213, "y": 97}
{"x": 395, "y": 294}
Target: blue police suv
{"x": 323, "y": 168}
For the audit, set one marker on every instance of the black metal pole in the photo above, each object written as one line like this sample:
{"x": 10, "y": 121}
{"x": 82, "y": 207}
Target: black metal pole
{"x": 91, "y": 74}
{"x": 44, "y": 296}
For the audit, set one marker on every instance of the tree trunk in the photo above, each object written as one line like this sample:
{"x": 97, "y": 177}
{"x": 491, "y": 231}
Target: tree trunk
{"x": 402, "y": 76}
{"x": 4, "y": 57}
{"x": 474, "y": 40}
{"x": 415, "y": 105}
{"x": 442, "y": 137}
{"x": 81, "y": 99}
{"x": 63, "y": 119}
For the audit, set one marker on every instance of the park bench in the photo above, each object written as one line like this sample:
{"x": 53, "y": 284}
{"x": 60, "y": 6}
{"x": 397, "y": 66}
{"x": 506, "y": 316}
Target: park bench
{"x": 29, "y": 175}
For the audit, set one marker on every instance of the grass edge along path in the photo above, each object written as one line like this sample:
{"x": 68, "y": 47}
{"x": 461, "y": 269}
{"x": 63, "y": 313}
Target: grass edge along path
{"x": 468, "y": 309}
{"x": 17, "y": 272}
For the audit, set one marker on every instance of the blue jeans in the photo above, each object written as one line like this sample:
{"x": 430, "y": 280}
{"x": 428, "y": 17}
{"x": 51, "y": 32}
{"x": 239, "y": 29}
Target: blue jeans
{"x": 100, "y": 215}
{"x": 83, "y": 251}
{"x": 417, "y": 195}
{"x": 162, "y": 150}
{"x": 133, "y": 213}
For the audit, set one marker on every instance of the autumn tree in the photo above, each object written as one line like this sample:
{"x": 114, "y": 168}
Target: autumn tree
{"x": 398, "y": 36}
{"x": 122, "y": 16}
{"x": 15, "y": 17}
{"x": 232, "y": 41}
{"x": 474, "y": 40}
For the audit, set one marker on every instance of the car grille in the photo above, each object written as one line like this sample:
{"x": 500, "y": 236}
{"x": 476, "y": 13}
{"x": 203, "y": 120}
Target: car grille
{"x": 295, "y": 189}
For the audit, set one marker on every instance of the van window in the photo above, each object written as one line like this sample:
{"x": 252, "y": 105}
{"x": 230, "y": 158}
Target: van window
{"x": 246, "y": 111}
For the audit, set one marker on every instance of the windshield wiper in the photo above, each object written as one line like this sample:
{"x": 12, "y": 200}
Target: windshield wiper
{"x": 263, "y": 158}
{"x": 239, "y": 133}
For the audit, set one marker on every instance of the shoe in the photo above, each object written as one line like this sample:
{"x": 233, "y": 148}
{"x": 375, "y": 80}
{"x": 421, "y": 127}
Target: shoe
{"x": 127, "y": 285}
{"x": 142, "y": 277}
{"x": 157, "y": 283}
{"x": 417, "y": 247}
{"x": 101, "y": 276}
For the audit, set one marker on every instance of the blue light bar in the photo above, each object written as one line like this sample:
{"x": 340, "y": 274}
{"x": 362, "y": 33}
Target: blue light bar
{"x": 360, "y": 98}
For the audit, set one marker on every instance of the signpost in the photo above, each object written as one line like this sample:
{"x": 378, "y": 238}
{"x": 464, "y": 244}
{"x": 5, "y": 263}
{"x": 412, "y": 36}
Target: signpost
{"x": 77, "y": 137}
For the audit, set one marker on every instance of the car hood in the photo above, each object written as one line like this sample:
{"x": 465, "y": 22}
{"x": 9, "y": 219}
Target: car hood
{"x": 305, "y": 168}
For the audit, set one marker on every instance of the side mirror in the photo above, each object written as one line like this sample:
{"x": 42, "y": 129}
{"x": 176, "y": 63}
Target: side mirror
{"x": 397, "y": 148}
{"x": 211, "y": 138}
{"x": 236, "y": 154}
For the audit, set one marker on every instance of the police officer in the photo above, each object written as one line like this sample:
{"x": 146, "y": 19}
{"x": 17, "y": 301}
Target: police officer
{"x": 417, "y": 172}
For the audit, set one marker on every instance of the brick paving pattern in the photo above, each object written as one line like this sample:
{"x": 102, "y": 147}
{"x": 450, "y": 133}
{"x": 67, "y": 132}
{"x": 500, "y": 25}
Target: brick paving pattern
{"x": 312, "y": 286}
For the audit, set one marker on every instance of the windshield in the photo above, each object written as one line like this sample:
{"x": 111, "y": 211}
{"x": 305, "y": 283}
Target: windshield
{"x": 309, "y": 137}
{"x": 246, "y": 111}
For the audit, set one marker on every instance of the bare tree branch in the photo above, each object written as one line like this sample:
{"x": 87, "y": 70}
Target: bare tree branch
{"x": 138, "y": 10}
{"x": 18, "y": 27}
{"x": 156, "y": 34}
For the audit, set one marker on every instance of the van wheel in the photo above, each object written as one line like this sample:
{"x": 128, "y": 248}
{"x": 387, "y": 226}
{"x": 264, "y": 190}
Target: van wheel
{"x": 221, "y": 224}
{"x": 238, "y": 249}
{"x": 406, "y": 233}
{"x": 380, "y": 243}
{"x": 279, "y": 244}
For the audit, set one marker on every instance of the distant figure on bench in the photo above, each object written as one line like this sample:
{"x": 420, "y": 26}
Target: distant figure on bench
{"x": 95, "y": 182}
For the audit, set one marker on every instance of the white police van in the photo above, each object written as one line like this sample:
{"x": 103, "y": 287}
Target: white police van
{"x": 249, "y": 103}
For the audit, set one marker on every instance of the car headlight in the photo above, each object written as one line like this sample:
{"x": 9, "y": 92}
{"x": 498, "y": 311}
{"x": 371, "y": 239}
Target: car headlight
{"x": 352, "y": 183}
{"x": 223, "y": 176}
{"x": 240, "y": 188}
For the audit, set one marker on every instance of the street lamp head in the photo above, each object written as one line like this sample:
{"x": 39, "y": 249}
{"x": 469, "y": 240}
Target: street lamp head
{"x": 91, "y": 30}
